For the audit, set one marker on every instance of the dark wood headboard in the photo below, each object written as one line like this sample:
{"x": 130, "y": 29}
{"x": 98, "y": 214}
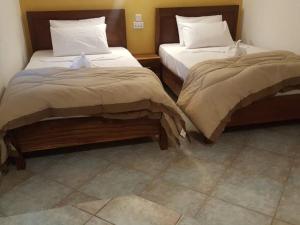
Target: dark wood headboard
{"x": 166, "y": 26}
{"x": 39, "y": 25}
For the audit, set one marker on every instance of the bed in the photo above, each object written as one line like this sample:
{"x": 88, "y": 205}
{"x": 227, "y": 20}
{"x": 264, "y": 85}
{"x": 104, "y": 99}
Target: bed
{"x": 177, "y": 62}
{"x": 63, "y": 132}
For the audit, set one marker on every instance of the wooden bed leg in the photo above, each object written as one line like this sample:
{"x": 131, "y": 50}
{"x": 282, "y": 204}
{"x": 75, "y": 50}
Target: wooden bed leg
{"x": 207, "y": 141}
{"x": 4, "y": 169}
{"x": 18, "y": 157}
{"x": 163, "y": 139}
{"x": 20, "y": 163}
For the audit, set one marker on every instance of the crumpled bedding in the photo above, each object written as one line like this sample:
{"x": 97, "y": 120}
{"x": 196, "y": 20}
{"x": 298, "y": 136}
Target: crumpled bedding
{"x": 215, "y": 89}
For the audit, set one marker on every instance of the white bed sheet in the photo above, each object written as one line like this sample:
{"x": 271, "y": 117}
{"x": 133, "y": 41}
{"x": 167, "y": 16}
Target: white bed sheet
{"x": 180, "y": 60}
{"x": 119, "y": 57}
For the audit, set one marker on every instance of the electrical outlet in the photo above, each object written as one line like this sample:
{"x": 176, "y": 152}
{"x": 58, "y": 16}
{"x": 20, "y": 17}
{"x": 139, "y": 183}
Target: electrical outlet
{"x": 138, "y": 25}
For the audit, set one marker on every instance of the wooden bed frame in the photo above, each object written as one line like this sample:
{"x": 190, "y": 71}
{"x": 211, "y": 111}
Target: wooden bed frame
{"x": 62, "y": 133}
{"x": 272, "y": 109}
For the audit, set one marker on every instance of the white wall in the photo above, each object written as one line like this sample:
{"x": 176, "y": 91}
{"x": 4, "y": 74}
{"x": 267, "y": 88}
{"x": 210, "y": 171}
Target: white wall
{"x": 274, "y": 24}
{"x": 13, "y": 54}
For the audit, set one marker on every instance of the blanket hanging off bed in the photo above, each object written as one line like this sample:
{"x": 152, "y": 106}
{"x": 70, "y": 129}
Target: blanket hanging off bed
{"x": 35, "y": 95}
{"x": 217, "y": 88}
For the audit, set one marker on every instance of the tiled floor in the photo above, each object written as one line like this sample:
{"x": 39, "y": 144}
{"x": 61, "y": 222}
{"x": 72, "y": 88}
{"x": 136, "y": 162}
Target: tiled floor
{"x": 249, "y": 177}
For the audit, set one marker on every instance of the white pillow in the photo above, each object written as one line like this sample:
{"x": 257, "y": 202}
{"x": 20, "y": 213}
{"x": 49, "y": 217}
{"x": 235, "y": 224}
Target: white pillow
{"x": 204, "y": 19}
{"x": 76, "y": 40}
{"x": 77, "y": 23}
{"x": 200, "y": 35}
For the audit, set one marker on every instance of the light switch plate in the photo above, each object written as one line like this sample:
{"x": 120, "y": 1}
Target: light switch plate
{"x": 138, "y": 25}
{"x": 138, "y": 18}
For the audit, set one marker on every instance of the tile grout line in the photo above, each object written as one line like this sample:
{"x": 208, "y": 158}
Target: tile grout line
{"x": 223, "y": 176}
{"x": 234, "y": 204}
{"x": 284, "y": 188}
{"x": 101, "y": 209}
{"x": 137, "y": 169}
{"x": 94, "y": 215}
{"x": 179, "y": 220}
{"x": 60, "y": 183}
{"x": 289, "y": 158}
{"x": 159, "y": 175}
{"x": 88, "y": 220}
{"x": 77, "y": 189}
{"x": 103, "y": 206}
{"x": 266, "y": 150}
{"x": 231, "y": 166}
{"x": 240, "y": 206}
{"x": 208, "y": 196}
{"x": 177, "y": 158}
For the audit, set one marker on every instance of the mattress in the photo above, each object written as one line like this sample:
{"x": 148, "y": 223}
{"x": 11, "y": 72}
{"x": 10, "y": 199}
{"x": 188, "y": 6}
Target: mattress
{"x": 119, "y": 57}
{"x": 180, "y": 60}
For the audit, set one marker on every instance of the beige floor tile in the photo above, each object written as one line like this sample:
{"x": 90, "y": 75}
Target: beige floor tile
{"x": 132, "y": 210}
{"x": 97, "y": 221}
{"x": 289, "y": 129}
{"x": 66, "y": 216}
{"x": 116, "y": 181}
{"x": 217, "y": 212}
{"x": 278, "y": 222}
{"x": 75, "y": 198}
{"x": 40, "y": 164}
{"x": 92, "y": 207}
{"x": 146, "y": 157}
{"x": 236, "y": 137}
{"x": 45, "y": 190}
{"x": 255, "y": 192}
{"x": 178, "y": 198}
{"x": 289, "y": 207}
{"x": 273, "y": 141}
{"x": 220, "y": 152}
{"x": 259, "y": 162}
{"x": 294, "y": 178}
{"x": 75, "y": 169}
{"x": 297, "y": 161}
{"x": 195, "y": 174}
{"x": 36, "y": 193}
{"x": 12, "y": 179}
{"x": 107, "y": 152}
{"x": 188, "y": 221}
{"x": 15, "y": 202}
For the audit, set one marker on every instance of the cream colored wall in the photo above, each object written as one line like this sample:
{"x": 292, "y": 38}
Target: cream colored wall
{"x": 1, "y": 87}
{"x": 139, "y": 41}
{"x": 274, "y": 24}
{"x": 12, "y": 44}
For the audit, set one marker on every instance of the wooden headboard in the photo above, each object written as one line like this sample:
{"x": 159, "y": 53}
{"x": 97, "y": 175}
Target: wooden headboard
{"x": 39, "y": 25}
{"x": 166, "y": 26}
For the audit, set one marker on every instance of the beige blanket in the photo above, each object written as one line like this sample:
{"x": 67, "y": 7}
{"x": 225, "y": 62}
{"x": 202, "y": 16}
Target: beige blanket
{"x": 35, "y": 95}
{"x": 215, "y": 89}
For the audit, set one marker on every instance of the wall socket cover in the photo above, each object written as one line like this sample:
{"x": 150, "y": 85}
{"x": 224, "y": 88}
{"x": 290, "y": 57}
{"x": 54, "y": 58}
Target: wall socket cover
{"x": 138, "y": 25}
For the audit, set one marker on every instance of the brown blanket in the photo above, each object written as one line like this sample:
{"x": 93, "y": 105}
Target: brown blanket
{"x": 215, "y": 89}
{"x": 35, "y": 95}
